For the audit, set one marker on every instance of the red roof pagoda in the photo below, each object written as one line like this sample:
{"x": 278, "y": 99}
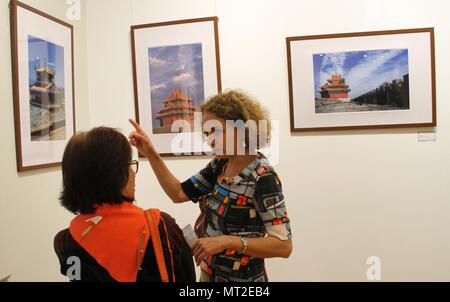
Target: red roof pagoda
{"x": 176, "y": 107}
{"x": 335, "y": 88}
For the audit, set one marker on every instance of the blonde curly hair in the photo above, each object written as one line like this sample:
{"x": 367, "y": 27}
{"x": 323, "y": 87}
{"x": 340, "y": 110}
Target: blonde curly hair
{"x": 236, "y": 105}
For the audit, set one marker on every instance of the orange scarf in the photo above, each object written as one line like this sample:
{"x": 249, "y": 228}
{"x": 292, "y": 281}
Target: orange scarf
{"x": 116, "y": 236}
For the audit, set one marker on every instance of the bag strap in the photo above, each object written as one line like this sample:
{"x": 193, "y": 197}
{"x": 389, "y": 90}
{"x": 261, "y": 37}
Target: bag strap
{"x": 153, "y": 217}
{"x": 170, "y": 249}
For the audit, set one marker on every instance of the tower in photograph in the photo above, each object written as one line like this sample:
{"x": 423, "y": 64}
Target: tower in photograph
{"x": 335, "y": 89}
{"x": 176, "y": 107}
{"x": 43, "y": 91}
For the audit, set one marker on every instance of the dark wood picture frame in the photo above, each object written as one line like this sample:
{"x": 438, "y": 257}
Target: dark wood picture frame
{"x": 14, "y": 5}
{"x": 432, "y": 97}
{"x": 134, "y": 28}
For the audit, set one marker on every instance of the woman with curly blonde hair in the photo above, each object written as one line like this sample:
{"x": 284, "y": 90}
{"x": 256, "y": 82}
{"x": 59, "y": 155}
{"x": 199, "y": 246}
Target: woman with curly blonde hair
{"x": 246, "y": 217}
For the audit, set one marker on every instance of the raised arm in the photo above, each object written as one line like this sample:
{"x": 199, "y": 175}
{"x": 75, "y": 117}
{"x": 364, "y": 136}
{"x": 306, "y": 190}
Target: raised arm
{"x": 170, "y": 184}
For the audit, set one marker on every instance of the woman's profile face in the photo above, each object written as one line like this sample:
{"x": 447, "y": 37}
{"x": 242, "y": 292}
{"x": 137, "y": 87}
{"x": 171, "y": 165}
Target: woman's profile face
{"x": 130, "y": 188}
{"x": 216, "y": 136}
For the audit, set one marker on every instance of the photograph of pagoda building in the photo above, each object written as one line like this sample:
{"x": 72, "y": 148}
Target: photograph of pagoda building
{"x": 176, "y": 85}
{"x": 176, "y": 107}
{"x": 335, "y": 89}
{"x": 46, "y": 88}
{"x": 355, "y": 81}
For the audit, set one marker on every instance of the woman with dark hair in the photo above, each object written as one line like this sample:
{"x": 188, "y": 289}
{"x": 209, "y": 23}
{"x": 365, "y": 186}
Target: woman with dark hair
{"x": 111, "y": 238}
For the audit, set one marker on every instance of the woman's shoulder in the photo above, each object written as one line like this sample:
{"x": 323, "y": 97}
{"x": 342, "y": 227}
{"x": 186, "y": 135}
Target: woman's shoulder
{"x": 262, "y": 168}
{"x": 168, "y": 219}
{"x": 171, "y": 226}
{"x": 218, "y": 163}
{"x": 64, "y": 243}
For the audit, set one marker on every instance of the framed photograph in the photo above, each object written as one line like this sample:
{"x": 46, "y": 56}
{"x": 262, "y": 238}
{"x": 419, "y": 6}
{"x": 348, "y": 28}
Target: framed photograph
{"x": 43, "y": 87}
{"x": 176, "y": 67}
{"x": 383, "y": 79}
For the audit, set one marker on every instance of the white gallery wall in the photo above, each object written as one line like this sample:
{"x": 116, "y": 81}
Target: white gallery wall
{"x": 350, "y": 194}
{"x": 30, "y": 214}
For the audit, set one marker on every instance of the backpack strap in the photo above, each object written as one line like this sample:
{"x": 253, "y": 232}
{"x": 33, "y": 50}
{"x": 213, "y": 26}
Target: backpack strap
{"x": 153, "y": 217}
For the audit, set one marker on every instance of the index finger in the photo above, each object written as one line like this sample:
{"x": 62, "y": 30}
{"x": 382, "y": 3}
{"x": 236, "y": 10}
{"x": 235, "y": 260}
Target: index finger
{"x": 135, "y": 125}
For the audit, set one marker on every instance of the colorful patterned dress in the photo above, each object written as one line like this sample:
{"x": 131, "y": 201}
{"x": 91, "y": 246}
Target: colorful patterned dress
{"x": 249, "y": 205}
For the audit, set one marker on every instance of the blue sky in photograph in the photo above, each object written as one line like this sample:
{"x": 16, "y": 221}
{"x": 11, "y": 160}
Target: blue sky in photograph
{"x": 41, "y": 52}
{"x": 175, "y": 67}
{"x": 362, "y": 70}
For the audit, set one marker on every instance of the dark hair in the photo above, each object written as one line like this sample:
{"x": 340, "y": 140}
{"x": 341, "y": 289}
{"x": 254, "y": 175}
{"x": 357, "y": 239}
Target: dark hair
{"x": 95, "y": 170}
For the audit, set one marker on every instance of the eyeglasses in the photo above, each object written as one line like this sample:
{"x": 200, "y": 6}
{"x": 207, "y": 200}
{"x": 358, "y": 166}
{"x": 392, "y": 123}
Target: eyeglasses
{"x": 134, "y": 166}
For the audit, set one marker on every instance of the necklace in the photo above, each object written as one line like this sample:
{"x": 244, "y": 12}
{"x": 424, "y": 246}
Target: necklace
{"x": 229, "y": 180}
